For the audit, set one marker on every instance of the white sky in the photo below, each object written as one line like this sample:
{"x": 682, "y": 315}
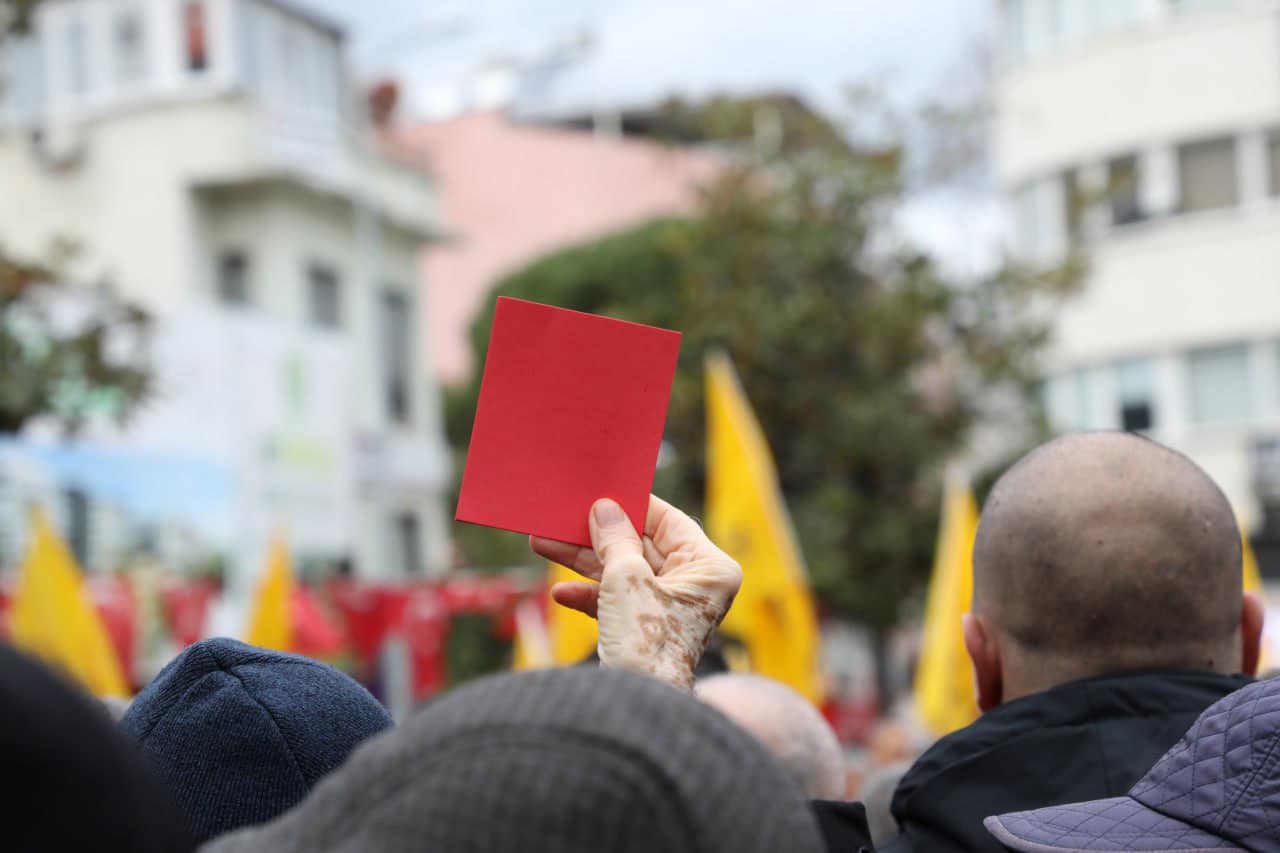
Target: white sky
{"x": 642, "y": 50}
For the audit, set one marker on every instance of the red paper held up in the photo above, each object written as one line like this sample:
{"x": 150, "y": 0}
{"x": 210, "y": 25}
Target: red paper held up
{"x": 571, "y": 410}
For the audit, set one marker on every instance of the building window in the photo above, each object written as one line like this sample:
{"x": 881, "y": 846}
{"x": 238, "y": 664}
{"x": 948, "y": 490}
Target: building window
{"x": 396, "y": 371}
{"x": 1207, "y": 174}
{"x": 408, "y": 538}
{"x": 324, "y": 296}
{"x": 233, "y": 278}
{"x": 1026, "y": 221}
{"x": 1273, "y": 161}
{"x": 1116, "y": 14}
{"x": 77, "y": 505}
{"x": 1075, "y": 204}
{"x": 1067, "y": 400}
{"x": 1183, "y": 7}
{"x": 195, "y": 29}
{"x": 22, "y": 69}
{"x": 1122, "y": 190}
{"x": 77, "y": 56}
{"x": 247, "y": 43}
{"x": 1013, "y": 26}
{"x": 1220, "y": 384}
{"x": 1135, "y": 394}
{"x": 129, "y": 46}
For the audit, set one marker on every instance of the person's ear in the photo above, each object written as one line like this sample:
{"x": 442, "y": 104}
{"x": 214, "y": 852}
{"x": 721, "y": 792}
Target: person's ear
{"x": 984, "y": 653}
{"x": 1251, "y": 617}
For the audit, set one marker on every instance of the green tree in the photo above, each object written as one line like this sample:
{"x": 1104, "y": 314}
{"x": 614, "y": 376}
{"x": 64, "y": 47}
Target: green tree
{"x": 867, "y": 365}
{"x": 68, "y": 352}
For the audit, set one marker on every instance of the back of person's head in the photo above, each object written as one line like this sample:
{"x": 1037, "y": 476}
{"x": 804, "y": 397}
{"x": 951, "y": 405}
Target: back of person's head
{"x": 72, "y": 782}
{"x": 571, "y": 761}
{"x": 788, "y": 726}
{"x": 242, "y": 734}
{"x": 1103, "y": 553}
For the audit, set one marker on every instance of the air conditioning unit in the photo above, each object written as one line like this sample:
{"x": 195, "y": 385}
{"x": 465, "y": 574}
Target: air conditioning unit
{"x": 59, "y": 146}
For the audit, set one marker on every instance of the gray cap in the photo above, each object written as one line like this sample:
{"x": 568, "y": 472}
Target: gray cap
{"x": 561, "y": 760}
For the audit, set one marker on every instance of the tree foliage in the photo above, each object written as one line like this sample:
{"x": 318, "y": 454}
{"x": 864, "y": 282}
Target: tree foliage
{"x": 70, "y": 352}
{"x": 866, "y": 364}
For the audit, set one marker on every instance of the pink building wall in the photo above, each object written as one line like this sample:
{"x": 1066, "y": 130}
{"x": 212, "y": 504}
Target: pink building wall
{"x": 514, "y": 192}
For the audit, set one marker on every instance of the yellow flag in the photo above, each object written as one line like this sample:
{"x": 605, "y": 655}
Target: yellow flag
{"x": 1253, "y": 583}
{"x": 944, "y": 691}
{"x": 1252, "y": 578}
{"x": 563, "y": 638}
{"x": 53, "y": 618}
{"x": 773, "y": 615}
{"x": 573, "y": 634}
{"x": 270, "y": 624}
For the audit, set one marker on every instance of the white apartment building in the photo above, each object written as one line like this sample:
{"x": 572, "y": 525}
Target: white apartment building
{"x": 1149, "y": 131}
{"x": 211, "y": 159}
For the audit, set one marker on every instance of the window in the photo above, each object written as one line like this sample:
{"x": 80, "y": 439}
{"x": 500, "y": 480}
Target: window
{"x": 1074, "y": 204}
{"x": 408, "y": 539}
{"x": 233, "y": 278}
{"x": 22, "y": 70}
{"x": 1181, "y": 7}
{"x": 1135, "y": 394}
{"x": 324, "y": 296}
{"x": 129, "y": 46}
{"x": 1123, "y": 191}
{"x": 247, "y": 42}
{"x": 1067, "y": 400}
{"x": 1014, "y": 30}
{"x": 195, "y": 29}
{"x": 1220, "y": 385}
{"x": 1026, "y": 222}
{"x": 1273, "y": 162}
{"x": 1207, "y": 174}
{"x": 1117, "y": 14}
{"x": 77, "y": 505}
{"x": 394, "y": 334}
{"x": 77, "y": 57}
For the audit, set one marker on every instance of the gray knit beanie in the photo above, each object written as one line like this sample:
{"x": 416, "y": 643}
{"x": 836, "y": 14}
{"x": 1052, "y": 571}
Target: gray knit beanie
{"x": 571, "y": 761}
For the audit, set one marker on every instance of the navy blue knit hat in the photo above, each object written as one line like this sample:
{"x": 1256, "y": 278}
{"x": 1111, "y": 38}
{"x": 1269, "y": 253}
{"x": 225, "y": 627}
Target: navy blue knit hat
{"x": 242, "y": 734}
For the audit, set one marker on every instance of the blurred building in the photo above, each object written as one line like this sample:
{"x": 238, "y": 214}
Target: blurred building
{"x": 1149, "y": 132}
{"x": 212, "y": 160}
{"x": 518, "y": 188}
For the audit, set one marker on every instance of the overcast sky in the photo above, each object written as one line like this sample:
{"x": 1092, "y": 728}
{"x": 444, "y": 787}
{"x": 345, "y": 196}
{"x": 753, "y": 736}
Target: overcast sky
{"x": 641, "y": 50}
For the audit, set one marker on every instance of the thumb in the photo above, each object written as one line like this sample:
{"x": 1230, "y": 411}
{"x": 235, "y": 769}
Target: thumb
{"x": 612, "y": 535}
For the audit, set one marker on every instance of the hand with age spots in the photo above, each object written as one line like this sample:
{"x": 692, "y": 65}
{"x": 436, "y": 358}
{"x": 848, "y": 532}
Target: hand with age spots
{"x": 659, "y": 599}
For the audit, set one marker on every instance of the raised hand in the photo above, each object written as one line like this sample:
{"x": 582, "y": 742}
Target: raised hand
{"x": 658, "y": 598}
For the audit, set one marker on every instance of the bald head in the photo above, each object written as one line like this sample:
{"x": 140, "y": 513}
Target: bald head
{"x": 1105, "y": 552}
{"x": 787, "y": 725}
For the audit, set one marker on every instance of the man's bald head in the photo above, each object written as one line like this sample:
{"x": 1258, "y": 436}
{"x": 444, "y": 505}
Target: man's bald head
{"x": 1105, "y": 552}
{"x": 787, "y": 725}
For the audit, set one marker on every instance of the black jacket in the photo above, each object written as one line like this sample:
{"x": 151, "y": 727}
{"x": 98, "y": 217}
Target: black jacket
{"x": 1078, "y": 741}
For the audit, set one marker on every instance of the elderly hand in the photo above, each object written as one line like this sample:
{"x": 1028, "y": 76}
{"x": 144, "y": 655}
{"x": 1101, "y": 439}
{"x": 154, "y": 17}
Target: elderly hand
{"x": 659, "y": 599}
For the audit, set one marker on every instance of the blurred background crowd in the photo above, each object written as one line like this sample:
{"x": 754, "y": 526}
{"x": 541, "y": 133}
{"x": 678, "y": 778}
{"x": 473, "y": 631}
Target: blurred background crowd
{"x": 249, "y": 251}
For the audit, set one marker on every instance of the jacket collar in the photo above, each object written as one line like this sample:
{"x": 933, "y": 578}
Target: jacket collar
{"x": 1087, "y": 701}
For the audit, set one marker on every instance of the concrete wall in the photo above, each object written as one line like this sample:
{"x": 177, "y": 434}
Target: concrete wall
{"x": 1159, "y": 288}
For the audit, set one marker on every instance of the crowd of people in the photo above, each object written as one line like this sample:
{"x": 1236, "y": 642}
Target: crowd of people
{"x": 1113, "y": 652}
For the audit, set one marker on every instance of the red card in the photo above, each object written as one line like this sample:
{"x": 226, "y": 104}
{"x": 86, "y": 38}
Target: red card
{"x": 571, "y": 410}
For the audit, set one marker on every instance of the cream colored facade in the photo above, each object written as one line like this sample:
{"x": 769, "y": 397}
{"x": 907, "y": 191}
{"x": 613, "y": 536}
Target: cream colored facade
{"x": 1150, "y": 130}
{"x": 211, "y": 160}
